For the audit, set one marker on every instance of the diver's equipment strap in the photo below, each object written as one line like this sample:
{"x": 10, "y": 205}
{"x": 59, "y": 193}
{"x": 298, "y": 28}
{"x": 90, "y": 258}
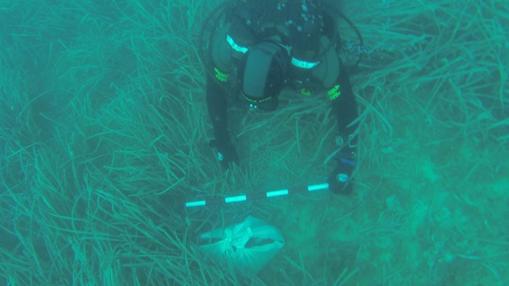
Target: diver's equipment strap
{"x": 236, "y": 47}
{"x": 303, "y": 64}
{"x": 299, "y": 63}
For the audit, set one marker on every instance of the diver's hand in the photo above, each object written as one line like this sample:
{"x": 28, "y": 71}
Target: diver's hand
{"x": 340, "y": 180}
{"x": 225, "y": 152}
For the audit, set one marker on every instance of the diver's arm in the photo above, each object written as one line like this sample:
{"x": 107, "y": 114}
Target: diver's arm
{"x": 217, "y": 106}
{"x": 345, "y": 110}
{"x": 218, "y": 85}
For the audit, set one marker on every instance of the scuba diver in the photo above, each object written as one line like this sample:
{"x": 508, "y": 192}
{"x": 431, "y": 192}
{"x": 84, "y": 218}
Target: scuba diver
{"x": 265, "y": 46}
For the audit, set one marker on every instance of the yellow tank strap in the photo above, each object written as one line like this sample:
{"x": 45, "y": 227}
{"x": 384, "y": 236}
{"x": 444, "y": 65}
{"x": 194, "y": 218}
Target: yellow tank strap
{"x": 221, "y": 75}
{"x": 334, "y": 92}
{"x": 305, "y": 91}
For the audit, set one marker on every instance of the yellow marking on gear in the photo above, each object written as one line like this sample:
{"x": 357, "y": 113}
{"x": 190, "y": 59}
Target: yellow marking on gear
{"x": 305, "y": 91}
{"x": 334, "y": 92}
{"x": 220, "y": 75}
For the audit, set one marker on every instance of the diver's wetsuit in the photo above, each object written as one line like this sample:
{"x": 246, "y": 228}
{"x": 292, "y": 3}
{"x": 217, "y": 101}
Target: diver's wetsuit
{"x": 301, "y": 27}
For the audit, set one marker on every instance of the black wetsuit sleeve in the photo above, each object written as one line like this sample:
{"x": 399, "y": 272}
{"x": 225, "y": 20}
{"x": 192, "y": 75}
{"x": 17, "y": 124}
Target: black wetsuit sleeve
{"x": 345, "y": 109}
{"x": 217, "y": 107}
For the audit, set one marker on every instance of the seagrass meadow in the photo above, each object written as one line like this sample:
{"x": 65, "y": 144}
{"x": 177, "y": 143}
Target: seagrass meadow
{"x": 104, "y": 133}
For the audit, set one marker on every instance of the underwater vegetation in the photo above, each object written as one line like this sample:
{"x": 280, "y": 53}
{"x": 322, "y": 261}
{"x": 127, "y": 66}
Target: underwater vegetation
{"x": 104, "y": 134}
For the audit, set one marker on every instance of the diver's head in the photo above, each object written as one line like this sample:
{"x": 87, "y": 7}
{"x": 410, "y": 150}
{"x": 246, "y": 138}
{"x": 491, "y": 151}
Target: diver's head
{"x": 273, "y": 39}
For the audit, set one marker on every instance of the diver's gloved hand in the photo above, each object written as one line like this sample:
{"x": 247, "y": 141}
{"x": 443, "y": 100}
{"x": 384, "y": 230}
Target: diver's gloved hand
{"x": 340, "y": 180}
{"x": 225, "y": 152}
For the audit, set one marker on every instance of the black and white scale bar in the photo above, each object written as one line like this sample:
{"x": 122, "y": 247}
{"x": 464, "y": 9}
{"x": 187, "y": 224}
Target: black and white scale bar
{"x": 240, "y": 198}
